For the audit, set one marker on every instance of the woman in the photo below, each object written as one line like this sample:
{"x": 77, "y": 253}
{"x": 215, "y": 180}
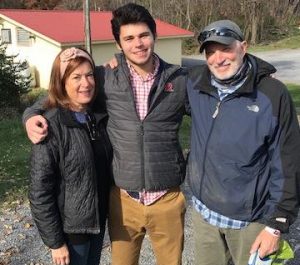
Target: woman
{"x": 70, "y": 169}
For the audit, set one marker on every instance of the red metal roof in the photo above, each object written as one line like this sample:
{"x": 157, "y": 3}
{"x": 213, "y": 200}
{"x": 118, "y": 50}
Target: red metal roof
{"x": 68, "y": 26}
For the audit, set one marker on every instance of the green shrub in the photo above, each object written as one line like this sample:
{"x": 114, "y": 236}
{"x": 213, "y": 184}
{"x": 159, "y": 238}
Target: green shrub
{"x": 12, "y": 81}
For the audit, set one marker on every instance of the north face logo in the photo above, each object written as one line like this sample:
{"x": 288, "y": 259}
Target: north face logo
{"x": 253, "y": 108}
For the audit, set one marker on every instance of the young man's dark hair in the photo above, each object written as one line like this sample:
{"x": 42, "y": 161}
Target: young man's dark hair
{"x": 131, "y": 14}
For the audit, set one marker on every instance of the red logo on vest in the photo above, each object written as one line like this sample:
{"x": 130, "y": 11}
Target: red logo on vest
{"x": 169, "y": 87}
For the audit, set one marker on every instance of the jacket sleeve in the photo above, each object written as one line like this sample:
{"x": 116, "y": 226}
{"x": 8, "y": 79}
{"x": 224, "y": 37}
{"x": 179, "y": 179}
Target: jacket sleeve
{"x": 285, "y": 167}
{"x": 36, "y": 109}
{"x": 99, "y": 104}
{"x": 44, "y": 185}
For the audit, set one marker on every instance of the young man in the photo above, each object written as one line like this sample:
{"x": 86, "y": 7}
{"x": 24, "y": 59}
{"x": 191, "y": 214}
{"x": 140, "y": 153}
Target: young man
{"x": 244, "y": 163}
{"x": 145, "y": 100}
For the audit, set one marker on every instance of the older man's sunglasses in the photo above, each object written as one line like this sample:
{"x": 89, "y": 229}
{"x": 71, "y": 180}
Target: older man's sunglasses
{"x": 223, "y": 32}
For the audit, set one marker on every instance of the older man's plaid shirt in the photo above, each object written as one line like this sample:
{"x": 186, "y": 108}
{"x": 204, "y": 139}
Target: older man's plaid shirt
{"x": 217, "y": 219}
{"x": 141, "y": 88}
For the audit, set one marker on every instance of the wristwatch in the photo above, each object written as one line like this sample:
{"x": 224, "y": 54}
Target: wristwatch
{"x": 274, "y": 232}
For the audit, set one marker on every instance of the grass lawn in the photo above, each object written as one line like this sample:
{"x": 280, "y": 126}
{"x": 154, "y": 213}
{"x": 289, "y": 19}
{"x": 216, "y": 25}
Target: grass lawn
{"x": 14, "y": 165}
{"x": 15, "y": 149}
{"x": 295, "y": 93}
{"x": 286, "y": 43}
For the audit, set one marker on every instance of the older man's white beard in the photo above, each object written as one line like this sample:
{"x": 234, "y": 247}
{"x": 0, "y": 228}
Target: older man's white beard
{"x": 241, "y": 73}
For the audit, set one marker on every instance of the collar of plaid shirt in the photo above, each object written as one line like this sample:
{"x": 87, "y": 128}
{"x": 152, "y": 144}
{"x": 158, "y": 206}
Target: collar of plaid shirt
{"x": 150, "y": 76}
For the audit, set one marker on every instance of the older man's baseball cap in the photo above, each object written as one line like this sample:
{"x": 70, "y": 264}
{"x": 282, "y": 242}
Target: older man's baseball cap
{"x": 221, "y": 31}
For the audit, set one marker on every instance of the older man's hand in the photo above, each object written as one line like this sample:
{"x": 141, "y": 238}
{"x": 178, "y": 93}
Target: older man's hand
{"x": 265, "y": 243}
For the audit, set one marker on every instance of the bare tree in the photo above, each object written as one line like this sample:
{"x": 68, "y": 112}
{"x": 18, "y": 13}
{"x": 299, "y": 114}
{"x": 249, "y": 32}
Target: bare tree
{"x": 11, "y": 4}
{"x": 38, "y": 4}
{"x": 70, "y": 4}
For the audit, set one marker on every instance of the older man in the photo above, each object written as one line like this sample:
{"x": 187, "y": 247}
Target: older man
{"x": 245, "y": 143}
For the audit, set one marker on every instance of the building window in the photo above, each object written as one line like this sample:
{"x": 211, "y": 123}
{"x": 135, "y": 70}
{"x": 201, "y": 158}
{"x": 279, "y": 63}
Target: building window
{"x": 23, "y": 37}
{"x": 6, "y": 36}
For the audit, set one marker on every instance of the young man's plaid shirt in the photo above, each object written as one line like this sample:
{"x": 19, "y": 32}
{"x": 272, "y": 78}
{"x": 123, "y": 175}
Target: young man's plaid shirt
{"x": 141, "y": 88}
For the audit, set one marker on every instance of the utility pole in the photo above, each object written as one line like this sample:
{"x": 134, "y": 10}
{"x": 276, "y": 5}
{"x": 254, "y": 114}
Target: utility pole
{"x": 151, "y": 10}
{"x": 87, "y": 28}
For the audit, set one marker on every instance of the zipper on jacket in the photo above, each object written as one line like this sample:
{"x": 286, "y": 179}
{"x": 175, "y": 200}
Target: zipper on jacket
{"x": 142, "y": 153}
{"x": 216, "y": 110}
{"x": 215, "y": 114}
{"x": 130, "y": 91}
{"x": 95, "y": 180}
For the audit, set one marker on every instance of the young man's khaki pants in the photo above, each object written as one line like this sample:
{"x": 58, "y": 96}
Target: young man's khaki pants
{"x": 163, "y": 221}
